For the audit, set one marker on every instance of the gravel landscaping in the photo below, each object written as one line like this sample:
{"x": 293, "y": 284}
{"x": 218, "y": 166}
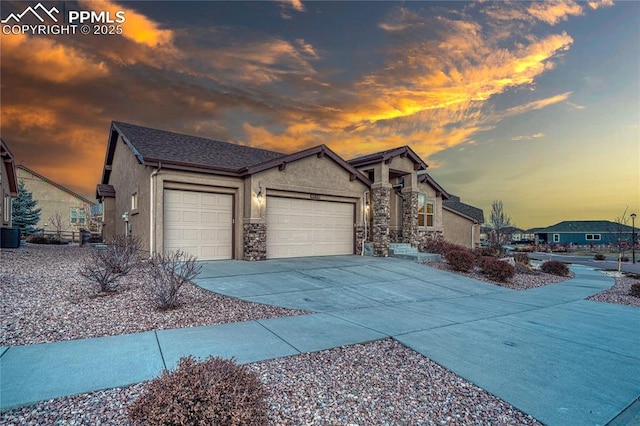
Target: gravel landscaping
{"x": 43, "y": 299}
{"x": 619, "y": 293}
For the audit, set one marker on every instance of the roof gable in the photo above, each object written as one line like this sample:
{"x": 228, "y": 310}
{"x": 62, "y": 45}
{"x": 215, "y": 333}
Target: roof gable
{"x": 320, "y": 151}
{"x": 424, "y": 177}
{"x": 55, "y": 184}
{"x": 387, "y": 156}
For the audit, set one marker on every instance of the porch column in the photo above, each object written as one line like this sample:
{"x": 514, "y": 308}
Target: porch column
{"x": 381, "y": 210}
{"x": 410, "y": 218}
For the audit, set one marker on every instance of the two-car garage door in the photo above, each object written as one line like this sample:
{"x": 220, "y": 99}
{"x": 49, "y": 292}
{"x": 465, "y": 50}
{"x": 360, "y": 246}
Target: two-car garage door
{"x": 298, "y": 228}
{"x": 201, "y": 224}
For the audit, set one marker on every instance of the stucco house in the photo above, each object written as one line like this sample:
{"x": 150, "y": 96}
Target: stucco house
{"x": 8, "y": 186}
{"x": 218, "y": 200}
{"x": 54, "y": 200}
{"x": 462, "y": 222}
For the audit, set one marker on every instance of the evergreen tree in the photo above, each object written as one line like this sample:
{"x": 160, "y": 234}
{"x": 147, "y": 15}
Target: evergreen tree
{"x": 25, "y": 213}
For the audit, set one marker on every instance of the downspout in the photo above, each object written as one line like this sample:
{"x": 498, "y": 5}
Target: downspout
{"x": 152, "y": 211}
{"x": 473, "y": 234}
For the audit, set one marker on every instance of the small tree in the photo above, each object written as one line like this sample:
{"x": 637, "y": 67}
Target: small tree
{"x": 622, "y": 232}
{"x": 499, "y": 221}
{"x": 25, "y": 214}
{"x": 106, "y": 267}
{"x": 58, "y": 224}
{"x": 166, "y": 273}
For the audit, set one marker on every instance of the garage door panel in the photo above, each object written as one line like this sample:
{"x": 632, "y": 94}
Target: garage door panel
{"x": 298, "y": 228}
{"x": 198, "y": 223}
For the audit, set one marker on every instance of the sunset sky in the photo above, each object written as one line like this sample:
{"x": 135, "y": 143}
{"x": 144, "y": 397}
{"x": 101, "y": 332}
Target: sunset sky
{"x": 535, "y": 104}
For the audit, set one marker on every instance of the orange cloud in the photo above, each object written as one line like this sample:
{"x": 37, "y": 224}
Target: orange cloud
{"x": 553, "y": 12}
{"x": 48, "y": 60}
{"x": 136, "y": 27}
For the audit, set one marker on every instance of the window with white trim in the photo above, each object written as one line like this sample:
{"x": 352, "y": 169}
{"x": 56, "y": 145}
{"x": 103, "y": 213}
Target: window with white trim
{"x": 425, "y": 211}
{"x": 134, "y": 201}
{"x": 592, "y": 237}
{"x": 77, "y": 216}
{"x": 556, "y": 238}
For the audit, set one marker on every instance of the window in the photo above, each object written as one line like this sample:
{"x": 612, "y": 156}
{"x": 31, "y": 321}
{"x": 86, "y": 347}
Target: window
{"x": 134, "y": 201}
{"x": 425, "y": 211}
{"x": 556, "y": 238}
{"x": 592, "y": 237}
{"x": 78, "y": 216}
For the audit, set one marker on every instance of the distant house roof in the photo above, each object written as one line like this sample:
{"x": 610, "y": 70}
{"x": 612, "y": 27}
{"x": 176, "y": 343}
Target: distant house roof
{"x": 7, "y": 159}
{"x": 454, "y": 204}
{"x": 386, "y": 156}
{"x": 160, "y": 148}
{"x": 57, "y": 185}
{"x": 585, "y": 226}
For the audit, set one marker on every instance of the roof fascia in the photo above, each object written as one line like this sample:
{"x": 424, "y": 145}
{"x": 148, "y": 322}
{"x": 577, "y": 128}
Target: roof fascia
{"x": 7, "y": 158}
{"x": 57, "y": 185}
{"x": 459, "y": 213}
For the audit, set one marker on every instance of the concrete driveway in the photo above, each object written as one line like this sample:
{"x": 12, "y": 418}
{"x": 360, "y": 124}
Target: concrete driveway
{"x": 547, "y": 351}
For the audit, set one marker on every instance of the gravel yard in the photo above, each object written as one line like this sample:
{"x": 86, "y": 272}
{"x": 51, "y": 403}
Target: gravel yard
{"x": 380, "y": 383}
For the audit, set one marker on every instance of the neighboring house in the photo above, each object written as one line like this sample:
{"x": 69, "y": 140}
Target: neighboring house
{"x": 585, "y": 232}
{"x": 462, "y": 222}
{"x": 218, "y": 200}
{"x": 56, "y": 201}
{"x": 8, "y": 186}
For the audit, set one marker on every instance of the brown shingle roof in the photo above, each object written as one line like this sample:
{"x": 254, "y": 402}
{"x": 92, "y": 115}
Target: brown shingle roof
{"x": 152, "y": 145}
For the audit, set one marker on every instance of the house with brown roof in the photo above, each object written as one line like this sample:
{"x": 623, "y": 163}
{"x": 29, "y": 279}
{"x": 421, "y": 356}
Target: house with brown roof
{"x": 462, "y": 222}
{"x": 218, "y": 200}
{"x": 8, "y": 187}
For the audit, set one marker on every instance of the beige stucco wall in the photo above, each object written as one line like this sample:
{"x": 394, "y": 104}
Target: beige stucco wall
{"x": 322, "y": 177}
{"x": 128, "y": 176}
{"x": 52, "y": 200}
{"x": 460, "y": 230}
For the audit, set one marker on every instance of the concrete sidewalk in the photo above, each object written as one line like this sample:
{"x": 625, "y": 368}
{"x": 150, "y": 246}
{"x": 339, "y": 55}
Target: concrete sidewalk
{"x": 547, "y": 351}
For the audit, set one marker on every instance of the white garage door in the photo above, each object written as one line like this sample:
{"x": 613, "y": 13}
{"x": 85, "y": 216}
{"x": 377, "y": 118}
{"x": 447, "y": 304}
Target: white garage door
{"x": 198, "y": 223}
{"x": 297, "y": 228}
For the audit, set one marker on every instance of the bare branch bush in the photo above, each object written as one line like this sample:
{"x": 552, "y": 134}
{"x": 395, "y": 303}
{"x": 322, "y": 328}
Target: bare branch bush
{"x": 58, "y": 224}
{"x": 107, "y": 267}
{"x": 166, "y": 273}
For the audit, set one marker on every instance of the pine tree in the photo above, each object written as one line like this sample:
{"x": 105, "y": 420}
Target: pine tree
{"x": 25, "y": 213}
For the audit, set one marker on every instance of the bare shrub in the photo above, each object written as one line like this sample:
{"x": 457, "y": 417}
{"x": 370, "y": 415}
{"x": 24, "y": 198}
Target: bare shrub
{"x": 461, "y": 260}
{"x": 106, "y": 267}
{"x": 497, "y": 270}
{"x": 166, "y": 273}
{"x": 635, "y": 289}
{"x": 555, "y": 267}
{"x": 212, "y": 392}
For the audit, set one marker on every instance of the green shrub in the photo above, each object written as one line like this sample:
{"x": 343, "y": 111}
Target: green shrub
{"x": 212, "y": 392}
{"x": 41, "y": 239}
{"x": 555, "y": 267}
{"x": 461, "y": 260}
{"x": 599, "y": 256}
{"x": 497, "y": 270}
{"x": 635, "y": 290}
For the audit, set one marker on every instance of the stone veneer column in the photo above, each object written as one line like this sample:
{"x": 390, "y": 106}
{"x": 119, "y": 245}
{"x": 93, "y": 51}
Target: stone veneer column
{"x": 410, "y": 218}
{"x": 255, "y": 241}
{"x": 359, "y": 239}
{"x": 381, "y": 220}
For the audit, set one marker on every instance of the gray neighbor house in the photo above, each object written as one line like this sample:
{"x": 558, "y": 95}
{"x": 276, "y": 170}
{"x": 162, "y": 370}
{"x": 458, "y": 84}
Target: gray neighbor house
{"x": 218, "y": 200}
